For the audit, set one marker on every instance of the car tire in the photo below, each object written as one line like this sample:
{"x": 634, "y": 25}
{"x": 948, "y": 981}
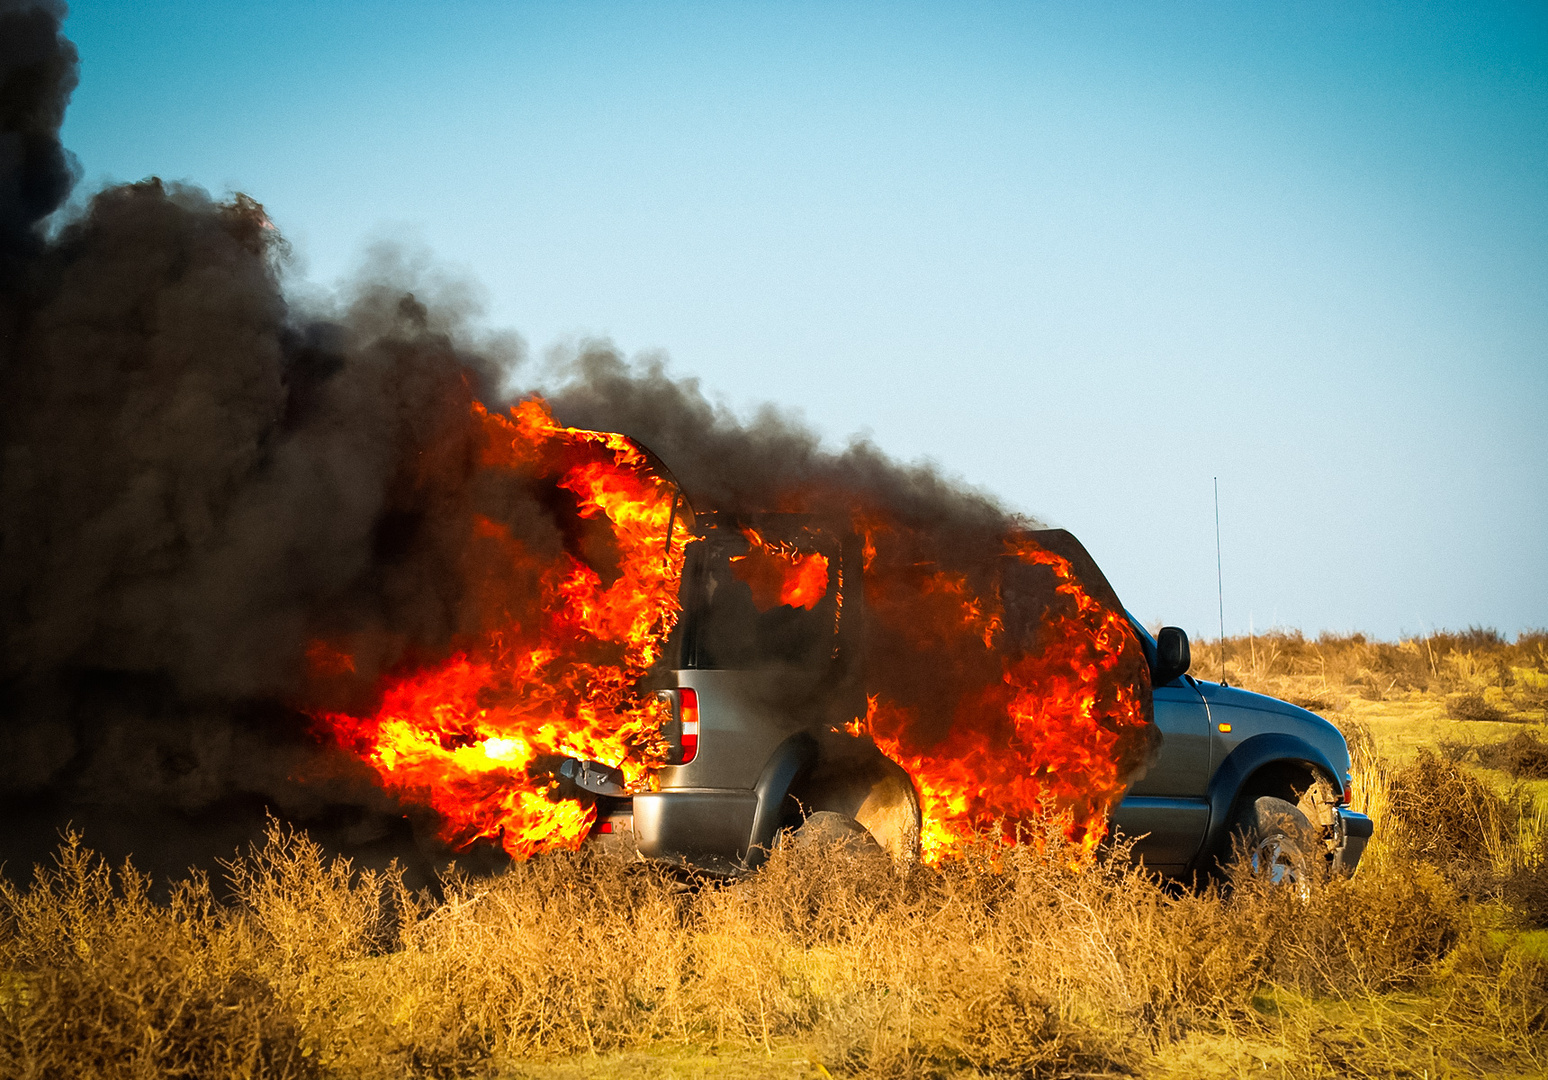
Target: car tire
{"x": 868, "y": 789}
{"x": 1277, "y": 841}
{"x": 825, "y": 829}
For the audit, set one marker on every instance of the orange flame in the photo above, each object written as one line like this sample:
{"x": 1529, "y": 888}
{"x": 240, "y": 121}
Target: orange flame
{"x": 474, "y": 736}
{"x": 780, "y": 574}
{"x": 1045, "y": 734}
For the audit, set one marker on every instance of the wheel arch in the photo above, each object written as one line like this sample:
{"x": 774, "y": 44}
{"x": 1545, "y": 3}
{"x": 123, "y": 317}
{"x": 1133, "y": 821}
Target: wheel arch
{"x": 1276, "y": 764}
{"x": 790, "y": 759}
{"x": 852, "y": 777}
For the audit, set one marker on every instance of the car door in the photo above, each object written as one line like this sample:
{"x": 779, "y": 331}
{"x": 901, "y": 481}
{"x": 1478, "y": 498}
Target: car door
{"x": 1168, "y": 807}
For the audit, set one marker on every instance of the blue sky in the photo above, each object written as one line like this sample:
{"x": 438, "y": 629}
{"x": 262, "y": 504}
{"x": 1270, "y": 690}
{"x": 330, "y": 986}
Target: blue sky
{"x": 1085, "y": 256}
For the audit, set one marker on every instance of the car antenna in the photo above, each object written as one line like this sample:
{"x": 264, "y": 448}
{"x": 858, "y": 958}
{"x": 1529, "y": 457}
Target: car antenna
{"x": 1220, "y": 584}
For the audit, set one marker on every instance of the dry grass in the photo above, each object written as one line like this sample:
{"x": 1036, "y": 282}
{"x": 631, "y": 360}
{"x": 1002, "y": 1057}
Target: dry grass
{"x": 1522, "y": 755}
{"x": 1475, "y": 675}
{"x": 1007, "y": 962}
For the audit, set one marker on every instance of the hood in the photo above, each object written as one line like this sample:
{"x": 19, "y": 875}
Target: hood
{"x": 1236, "y": 698}
{"x": 1292, "y": 718}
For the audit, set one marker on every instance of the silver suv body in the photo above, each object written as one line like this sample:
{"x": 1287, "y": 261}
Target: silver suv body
{"x": 759, "y": 701}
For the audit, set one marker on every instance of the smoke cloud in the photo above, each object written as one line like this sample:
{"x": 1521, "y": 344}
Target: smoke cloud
{"x": 194, "y": 480}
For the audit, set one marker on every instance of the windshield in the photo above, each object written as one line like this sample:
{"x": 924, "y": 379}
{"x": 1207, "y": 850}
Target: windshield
{"x": 1147, "y": 642}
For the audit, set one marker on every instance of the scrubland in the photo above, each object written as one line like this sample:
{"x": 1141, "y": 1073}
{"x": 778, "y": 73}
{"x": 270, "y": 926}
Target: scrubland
{"x": 1431, "y": 961}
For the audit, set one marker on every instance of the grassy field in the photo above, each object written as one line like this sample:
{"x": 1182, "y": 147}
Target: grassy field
{"x": 1432, "y": 961}
{"x": 1470, "y": 697}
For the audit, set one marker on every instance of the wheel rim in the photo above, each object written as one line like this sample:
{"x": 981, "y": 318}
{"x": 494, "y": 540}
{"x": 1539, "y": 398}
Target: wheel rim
{"x": 1279, "y": 859}
{"x": 1274, "y": 858}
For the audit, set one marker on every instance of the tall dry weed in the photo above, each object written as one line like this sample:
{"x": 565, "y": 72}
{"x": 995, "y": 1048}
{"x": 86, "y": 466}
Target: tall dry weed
{"x": 1024, "y": 961}
{"x": 101, "y": 981}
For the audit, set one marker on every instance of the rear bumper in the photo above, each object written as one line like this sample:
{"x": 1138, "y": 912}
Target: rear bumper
{"x": 709, "y": 828}
{"x": 1355, "y": 831}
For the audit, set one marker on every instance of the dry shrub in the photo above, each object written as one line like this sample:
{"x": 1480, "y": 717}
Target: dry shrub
{"x": 1525, "y": 885}
{"x": 1377, "y": 931}
{"x": 1027, "y": 961}
{"x": 568, "y": 953}
{"x": 1472, "y": 707}
{"x": 103, "y": 982}
{"x": 1486, "y": 843}
{"x": 1369, "y": 774}
{"x": 1011, "y": 963}
{"x": 1525, "y": 890}
{"x": 1446, "y": 816}
{"x": 1322, "y": 673}
{"x": 1523, "y": 755}
{"x": 930, "y": 971}
{"x": 1531, "y": 695}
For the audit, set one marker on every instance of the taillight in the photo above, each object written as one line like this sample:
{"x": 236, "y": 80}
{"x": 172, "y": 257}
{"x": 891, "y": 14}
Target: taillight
{"x": 689, "y": 714}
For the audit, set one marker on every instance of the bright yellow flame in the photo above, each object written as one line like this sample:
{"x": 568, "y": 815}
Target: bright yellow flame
{"x": 500, "y": 749}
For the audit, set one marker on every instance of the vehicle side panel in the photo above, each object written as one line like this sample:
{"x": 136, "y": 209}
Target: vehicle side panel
{"x": 1169, "y": 831}
{"x": 1167, "y": 810}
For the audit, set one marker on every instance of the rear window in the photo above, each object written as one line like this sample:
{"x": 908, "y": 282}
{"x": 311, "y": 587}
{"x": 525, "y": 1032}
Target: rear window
{"x": 759, "y": 592}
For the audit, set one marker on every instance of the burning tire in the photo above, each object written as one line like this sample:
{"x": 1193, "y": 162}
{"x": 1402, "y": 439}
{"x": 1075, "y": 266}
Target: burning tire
{"x": 1277, "y": 840}
{"x": 890, "y": 814}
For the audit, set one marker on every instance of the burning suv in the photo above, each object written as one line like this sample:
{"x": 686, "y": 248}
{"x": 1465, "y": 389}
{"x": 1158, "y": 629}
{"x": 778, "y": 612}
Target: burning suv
{"x": 766, "y": 679}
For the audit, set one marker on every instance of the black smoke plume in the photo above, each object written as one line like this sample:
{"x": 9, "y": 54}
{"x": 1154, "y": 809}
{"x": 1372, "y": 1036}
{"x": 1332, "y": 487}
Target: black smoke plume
{"x": 194, "y": 481}
{"x": 38, "y": 72}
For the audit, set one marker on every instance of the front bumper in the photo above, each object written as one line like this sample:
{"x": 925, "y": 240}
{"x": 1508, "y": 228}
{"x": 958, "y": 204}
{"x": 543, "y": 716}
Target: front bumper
{"x": 1354, "y": 833}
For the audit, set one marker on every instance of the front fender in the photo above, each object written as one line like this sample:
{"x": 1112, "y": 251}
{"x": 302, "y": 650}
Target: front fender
{"x": 1249, "y": 757}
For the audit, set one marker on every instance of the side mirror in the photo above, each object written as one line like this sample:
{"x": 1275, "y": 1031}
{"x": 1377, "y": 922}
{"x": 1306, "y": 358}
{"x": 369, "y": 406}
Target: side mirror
{"x": 1172, "y": 656}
